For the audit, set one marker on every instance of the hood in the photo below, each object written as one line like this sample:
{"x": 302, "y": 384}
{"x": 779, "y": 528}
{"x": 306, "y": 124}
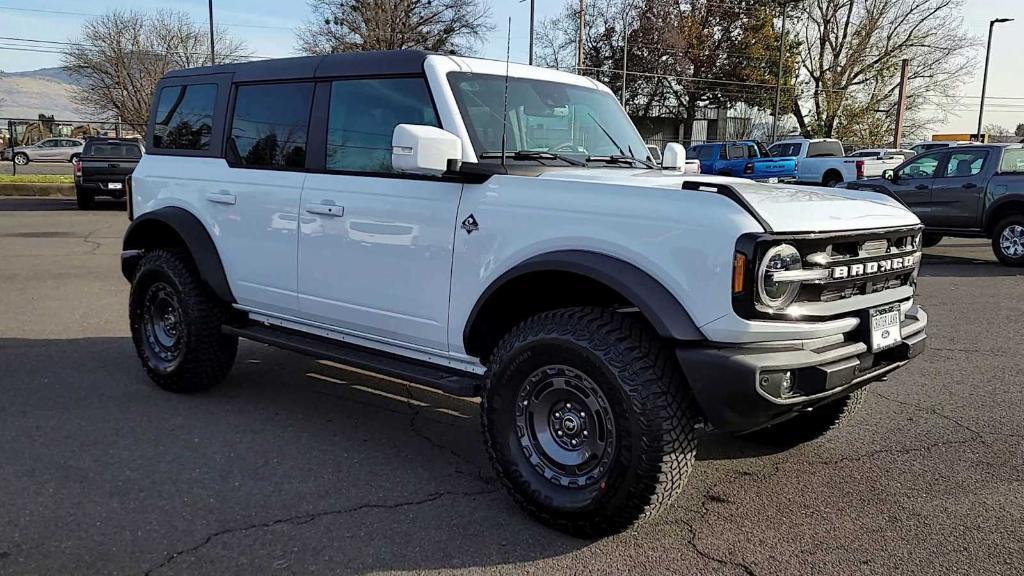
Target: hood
{"x": 786, "y": 208}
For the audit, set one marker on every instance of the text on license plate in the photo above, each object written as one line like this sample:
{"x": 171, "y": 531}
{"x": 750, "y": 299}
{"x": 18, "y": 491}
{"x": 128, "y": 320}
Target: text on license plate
{"x": 114, "y": 186}
{"x": 885, "y": 327}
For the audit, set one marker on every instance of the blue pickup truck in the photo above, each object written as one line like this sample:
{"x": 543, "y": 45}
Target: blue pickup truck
{"x": 745, "y": 159}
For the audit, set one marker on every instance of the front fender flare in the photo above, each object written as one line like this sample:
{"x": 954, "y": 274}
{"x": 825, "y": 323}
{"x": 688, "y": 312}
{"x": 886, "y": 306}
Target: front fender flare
{"x": 663, "y": 310}
{"x": 142, "y": 235}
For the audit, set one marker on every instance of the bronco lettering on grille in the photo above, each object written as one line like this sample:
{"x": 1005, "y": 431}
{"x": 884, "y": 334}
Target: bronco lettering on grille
{"x": 871, "y": 268}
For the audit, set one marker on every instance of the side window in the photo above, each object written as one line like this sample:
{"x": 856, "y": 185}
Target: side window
{"x": 737, "y": 151}
{"x": 48, "y": 143}
{"x": 68, "y": 143}
{"x": 270, "y": 125}
{"x": 784, "y": 150}
{"x": 363, "y": 116}
{"x": 723, "y": 152}
{"x": 965, "y": 164}
{"x": 1013, "y": 161}
{"x": 752, "y": 151}
{"x": 184, "y": 117}
{"x": 921, "y": 167}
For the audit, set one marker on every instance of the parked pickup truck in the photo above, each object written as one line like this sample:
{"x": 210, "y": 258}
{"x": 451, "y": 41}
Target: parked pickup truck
{"x": 746, "y": 159}
{"x": 105, "y": 166}
{"x": 964, "y": 191}
{"x": 823, "y": 161}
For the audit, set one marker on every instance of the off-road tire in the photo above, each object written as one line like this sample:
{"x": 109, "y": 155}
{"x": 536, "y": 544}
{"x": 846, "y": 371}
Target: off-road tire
{"x": 1004, "y": 258}
{"x": 206, "y": 354}
{"x": 813, "y": 425}
{"x": 653, "y": 412}
{"x": 931, "y": 240}
{"x": 22, "y": 159}
{"x": 84, "y": 198}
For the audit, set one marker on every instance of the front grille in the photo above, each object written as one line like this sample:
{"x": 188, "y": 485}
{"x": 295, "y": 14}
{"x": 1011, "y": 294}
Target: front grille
{"x": 839, "y": 270}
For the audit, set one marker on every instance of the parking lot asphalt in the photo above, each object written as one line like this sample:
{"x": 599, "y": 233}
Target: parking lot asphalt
{"x": 298, "y": 466}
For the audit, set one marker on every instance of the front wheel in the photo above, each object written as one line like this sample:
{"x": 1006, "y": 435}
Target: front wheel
{"x": 176, "y": 324}
{"x": 588, "y": 421}
{"x": 1008, "y": 241}
{"x": 21, "y": 159}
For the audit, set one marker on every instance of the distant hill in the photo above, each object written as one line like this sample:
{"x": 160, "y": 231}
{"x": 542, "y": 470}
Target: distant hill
{"x": 44, "y": 91}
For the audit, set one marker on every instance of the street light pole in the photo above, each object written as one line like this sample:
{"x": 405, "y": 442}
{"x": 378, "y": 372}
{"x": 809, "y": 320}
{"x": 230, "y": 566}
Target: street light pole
{"x": 625, "y": 48}
{"x": 984, "y": 79}
{"x": 213, "y": 51}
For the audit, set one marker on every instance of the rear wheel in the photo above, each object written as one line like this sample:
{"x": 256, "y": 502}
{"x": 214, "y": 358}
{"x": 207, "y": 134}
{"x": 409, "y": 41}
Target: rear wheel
{"x": 931, "y": 240}
{"x": 1008, "y": 241}
{"x": 75, "y": 159}
{"x": 176, "y": 324}
{"x": 84, "y": 198}
{"x": 587, "y": 420}
{"x": 813, "y": 425}
{"x": 832, "y": 180}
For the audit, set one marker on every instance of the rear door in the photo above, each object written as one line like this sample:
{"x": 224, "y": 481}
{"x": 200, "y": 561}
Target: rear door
{"x": 912, "y": 183}
{"x": 958, "y": 191}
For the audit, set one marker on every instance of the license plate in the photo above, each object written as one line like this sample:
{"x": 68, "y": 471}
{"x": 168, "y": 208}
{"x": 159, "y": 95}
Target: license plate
{"x": 885, "y": 327}
{"x": 114, "y": 186}
{"x": 773, "y": 180}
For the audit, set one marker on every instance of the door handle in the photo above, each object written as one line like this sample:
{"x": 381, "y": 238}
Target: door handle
{"x": 921, "y": 187}
{"x": 970, "y": 185}
{"x": 221, "y": 197}
{"x": 325, "y": 209}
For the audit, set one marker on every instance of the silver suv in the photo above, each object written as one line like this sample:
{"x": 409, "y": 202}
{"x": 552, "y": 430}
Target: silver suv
{"x": 49, "y": 150}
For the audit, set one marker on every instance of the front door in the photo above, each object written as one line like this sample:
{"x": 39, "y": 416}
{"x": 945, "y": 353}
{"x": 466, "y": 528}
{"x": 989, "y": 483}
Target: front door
{"x": 375, "y": 247}
{"x": 912, "y": 183}
{"x": 48, "y": 150}
{"x": 958, "y": 191}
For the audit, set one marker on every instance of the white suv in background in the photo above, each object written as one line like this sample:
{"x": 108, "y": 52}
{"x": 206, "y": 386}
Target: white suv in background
{"x": 391, "y": 212}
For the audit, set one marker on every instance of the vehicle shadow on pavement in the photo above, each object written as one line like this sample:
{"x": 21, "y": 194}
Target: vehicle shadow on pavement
{"x": 51, "y": 204}
{"x": 290, "y": 462}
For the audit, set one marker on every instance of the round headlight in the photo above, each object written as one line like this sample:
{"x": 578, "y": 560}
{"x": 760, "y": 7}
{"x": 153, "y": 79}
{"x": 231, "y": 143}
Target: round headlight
{"x": 778, "y": 294}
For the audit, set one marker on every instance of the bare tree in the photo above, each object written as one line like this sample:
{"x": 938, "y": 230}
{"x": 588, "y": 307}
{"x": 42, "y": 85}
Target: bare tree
{"x": 120, "y": 56}
{"x": 850, "y": 65}
{"x": 997, "y": 130}
{"x": 451, "y": 26}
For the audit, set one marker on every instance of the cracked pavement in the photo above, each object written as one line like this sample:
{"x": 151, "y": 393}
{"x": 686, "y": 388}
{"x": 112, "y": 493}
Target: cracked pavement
{"x": 299, "y": 466}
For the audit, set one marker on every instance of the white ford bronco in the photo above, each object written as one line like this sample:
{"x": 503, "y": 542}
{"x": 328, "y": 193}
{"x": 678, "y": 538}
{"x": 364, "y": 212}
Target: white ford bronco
{"x": 500, "y": 232}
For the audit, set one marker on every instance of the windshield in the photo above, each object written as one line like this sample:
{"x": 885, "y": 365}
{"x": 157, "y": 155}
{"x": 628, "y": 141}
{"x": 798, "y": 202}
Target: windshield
{"x": 564, "y": 119}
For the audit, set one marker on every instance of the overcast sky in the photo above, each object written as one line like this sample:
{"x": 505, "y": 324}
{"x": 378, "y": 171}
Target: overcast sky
{"x": 267, "y": 26}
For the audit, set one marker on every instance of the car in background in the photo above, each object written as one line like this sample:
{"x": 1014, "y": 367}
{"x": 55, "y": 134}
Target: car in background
{"x": 105, "y": 166}
{"x": 745, "y": 159}
{"x": 823, "y": 161}
{"x": 900, "y": 153}
{"x": 49, "y": 150}
{"x": 972, "y": 191}
{"x": 927, "y": 146}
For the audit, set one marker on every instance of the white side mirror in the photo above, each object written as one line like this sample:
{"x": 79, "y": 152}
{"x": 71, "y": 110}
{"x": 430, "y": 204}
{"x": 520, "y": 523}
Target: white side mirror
{"x": 674, "y": 157}
{"x": 423, "y": 149}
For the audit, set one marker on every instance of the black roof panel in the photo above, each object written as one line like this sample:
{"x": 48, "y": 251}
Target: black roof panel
{"x": 332, "y": 65}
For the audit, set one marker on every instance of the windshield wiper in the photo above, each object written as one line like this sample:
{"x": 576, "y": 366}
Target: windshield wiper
{"x": 621, "y": 159}
{"x": 535, "y": 155}
{"x": 622, "y": 153}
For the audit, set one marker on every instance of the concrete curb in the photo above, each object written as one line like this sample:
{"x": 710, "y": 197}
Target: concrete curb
{"x": 23, "y": 189}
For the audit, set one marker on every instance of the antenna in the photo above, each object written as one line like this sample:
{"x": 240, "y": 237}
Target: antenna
{"x": 504, "y": 112}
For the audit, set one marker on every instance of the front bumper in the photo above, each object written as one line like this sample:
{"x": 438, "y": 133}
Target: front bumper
{"x": 736, "y": 386}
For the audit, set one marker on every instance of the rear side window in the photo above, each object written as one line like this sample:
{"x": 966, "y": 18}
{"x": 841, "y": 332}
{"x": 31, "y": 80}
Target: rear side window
{"x": 112, "y": 150}
{"x": 270, "y": 125}
{"x": 706, "y": 153}
{"x": 965, "y": 164}
{"x": 737, "y": 151}
{"x": 826, "y": 149}
{"x": 363, "y": 117}
{"x": 184, "y": 117}
{"x": 781, "y": 150}
{"x": 1013, "y": 161}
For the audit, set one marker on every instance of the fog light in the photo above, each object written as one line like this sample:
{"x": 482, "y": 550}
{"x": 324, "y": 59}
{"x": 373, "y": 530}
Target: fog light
{"x": 779, "y": 384}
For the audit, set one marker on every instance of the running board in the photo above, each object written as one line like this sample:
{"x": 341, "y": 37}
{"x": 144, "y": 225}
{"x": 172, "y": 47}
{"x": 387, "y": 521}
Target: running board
{"x": 449, "y": 381}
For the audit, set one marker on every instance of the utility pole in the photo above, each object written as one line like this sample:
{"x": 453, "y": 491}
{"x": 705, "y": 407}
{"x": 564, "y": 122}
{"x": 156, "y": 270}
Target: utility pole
{"x": 579, "y": 41}
{"x": 625, "y": 48}
{"x": 778, "y": 84}
{"x": 213, "y": 51}
{"x": 984, "y": 80}
{"x": 901, "y": 105}
{"x": 532, "y": 11}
